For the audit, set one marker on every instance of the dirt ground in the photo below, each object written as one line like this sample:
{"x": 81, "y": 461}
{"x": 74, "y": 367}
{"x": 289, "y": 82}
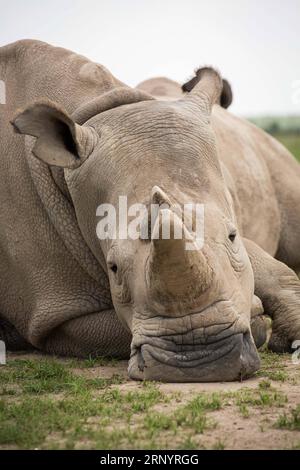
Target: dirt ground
{"x": 259, "y": 413}
{"x": 233, "y": 430}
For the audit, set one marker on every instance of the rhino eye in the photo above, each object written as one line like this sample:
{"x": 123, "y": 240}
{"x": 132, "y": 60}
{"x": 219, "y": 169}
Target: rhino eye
{"x": 232, "y": 236}
{"x": 113, "y": 267}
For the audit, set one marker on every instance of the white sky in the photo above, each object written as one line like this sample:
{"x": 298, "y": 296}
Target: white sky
{"x": 254, "y": 43}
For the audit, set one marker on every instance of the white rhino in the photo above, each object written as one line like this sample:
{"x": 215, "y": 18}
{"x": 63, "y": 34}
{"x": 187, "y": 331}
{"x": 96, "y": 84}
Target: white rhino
{"x": 185, "y": 315}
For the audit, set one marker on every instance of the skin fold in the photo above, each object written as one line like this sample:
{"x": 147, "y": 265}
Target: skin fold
{"x": 87, "y": 139}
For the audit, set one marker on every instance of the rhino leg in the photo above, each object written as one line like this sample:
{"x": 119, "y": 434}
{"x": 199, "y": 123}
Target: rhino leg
{"x": 95, "y": 334}
{"x": 278, "y": 287}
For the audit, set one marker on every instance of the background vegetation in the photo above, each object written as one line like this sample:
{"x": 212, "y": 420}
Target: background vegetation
{"x": 286, "y": 129}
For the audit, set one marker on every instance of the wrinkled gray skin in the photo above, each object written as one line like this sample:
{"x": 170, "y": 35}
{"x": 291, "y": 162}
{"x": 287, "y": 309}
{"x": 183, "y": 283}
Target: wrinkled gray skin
{"x": 190, "y": 313}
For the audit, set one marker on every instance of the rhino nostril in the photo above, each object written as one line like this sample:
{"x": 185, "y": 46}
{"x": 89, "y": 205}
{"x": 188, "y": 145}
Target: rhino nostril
{"x": 140, "y": 359}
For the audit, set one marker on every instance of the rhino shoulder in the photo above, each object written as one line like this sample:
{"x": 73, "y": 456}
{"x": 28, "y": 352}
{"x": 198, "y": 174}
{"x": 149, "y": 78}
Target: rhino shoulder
{"x": 21, "y": 47}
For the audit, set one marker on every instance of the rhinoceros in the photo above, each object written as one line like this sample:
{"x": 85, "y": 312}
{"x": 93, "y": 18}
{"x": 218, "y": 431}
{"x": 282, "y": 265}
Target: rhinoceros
{"x": 87, "y": 139}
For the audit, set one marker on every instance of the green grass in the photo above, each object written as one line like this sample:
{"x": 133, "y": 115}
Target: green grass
{"x": 219, "y": 445}
{"x": 46, "y": 404}
{"x": 264, "y": 385}
{"x": 194, "y": 414}
{"x": 43, "y": 397}
{"x": 46, "y": 376}
{"x": 278, "y": 375}
{"x": 189, "y": 443}
{"x": 155, "y": 422}
{"x": 273, "y": 366}
{"x": 26, "y": 423}
{"x": 51, "y": 407}
{"x": 283, "y": 124}
{"x": 97, "y": 362}
{"x": 260, "y": 398}
{"x": 290, "y": 421}
{"x": 291, "y": 142}
{"x": 204, "y": 402}
{"x": 244, "y": 410}
{"x": 191, "y": 417}
{"x": 286, "y": 129}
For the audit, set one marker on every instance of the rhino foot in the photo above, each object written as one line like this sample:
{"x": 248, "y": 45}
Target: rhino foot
{"x": 259, "y": 330}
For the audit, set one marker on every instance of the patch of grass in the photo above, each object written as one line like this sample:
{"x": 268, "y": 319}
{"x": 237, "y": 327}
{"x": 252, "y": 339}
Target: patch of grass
{"x": 98, "y": 362}
{"x": 290, "y": 421}
{"x": 36, "y": 377}
{"x": 291, "y": 142}
{"x": 194, "y": 414}
{"x": 146, "y": 399}
{"x": 278, "y": 375}
{"x": 100, "y": 383}
{"x": 45, "y": 404}
{"x": 198, "y": 422}
{"x": 28, "y": 422}
{"x": 203, "y": 402}
{"x": 244, "y": 410}
{"x": 273, "y": 366}
{"x": 261, "y": 398}
{"x": 7, "y": 391}
{"x": 156, "y": 422}
{"x": 272, "y": 399}
{"x": 272, "y": 360}
{"x": 264, "y": 385}
{"x": 286, "y": 129}
{"x": 219, "y": 445}
{"x": 188, "y": 444}
{"x": 121, "y": 439}
{"x": 43, "y": 376}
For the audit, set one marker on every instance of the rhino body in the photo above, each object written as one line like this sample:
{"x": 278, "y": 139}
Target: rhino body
{"x": 52, "y": 288}
{"x": 58, "y": 293}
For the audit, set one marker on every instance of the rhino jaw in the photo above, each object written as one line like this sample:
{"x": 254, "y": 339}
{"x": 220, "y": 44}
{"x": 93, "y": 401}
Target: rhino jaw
{"x": 234, "y": 358}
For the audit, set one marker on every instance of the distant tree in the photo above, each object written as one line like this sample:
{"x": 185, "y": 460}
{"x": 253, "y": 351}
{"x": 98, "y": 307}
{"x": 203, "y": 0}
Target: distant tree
{"x": 273, "y": 128}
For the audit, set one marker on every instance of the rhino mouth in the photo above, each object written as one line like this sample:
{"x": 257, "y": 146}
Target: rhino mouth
{"x": 227, "y": 359}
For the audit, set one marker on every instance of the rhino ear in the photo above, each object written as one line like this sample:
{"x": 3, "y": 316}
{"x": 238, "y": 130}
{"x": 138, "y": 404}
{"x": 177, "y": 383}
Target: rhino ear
{"x": 220, "y": 92}
{"x": 59, "y": 140}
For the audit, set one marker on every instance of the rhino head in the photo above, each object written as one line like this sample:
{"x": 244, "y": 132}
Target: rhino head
{"x": 188, "y": 310}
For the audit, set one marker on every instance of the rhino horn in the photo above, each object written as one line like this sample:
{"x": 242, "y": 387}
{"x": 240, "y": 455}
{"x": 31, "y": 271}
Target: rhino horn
{"x": 173, "y": 271}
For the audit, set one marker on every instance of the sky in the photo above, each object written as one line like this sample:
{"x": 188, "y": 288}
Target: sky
{"x": 255, "y": 44}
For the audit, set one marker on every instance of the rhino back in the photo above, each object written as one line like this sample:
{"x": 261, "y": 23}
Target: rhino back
{"x": 243, "y": 150}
